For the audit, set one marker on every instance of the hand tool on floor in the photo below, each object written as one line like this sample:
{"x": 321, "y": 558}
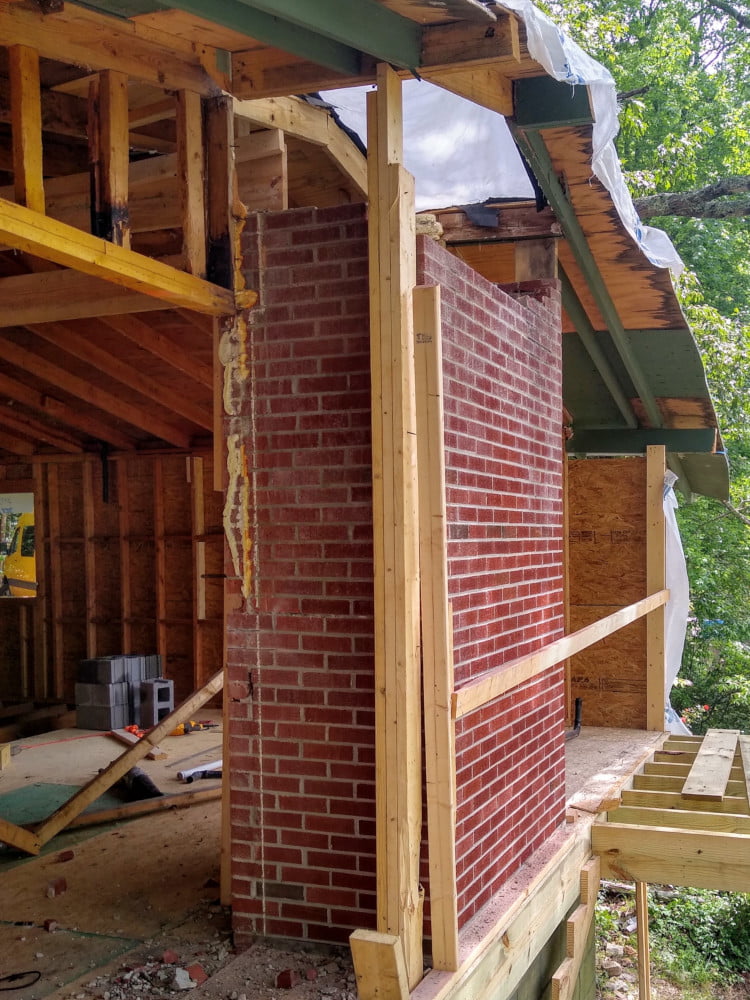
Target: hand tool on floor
{"x": 193, "y": 727}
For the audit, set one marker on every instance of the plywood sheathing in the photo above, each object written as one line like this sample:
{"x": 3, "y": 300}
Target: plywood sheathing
{"x": 607, "y": 547}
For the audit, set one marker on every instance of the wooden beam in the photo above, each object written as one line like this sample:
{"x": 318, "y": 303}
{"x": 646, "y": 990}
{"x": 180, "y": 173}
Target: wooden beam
{"x": 437, "y": 632}
{"x": 15, "y": 446}
{"x": 36, "y": 430}
{"x": 536, "y": 259}
{"x": 379, "y": 966}
{"x": 484, "y": 85}
{"x": 140, "y": 333}
{"x": 709, "y": 775}
{"x": 25, "y": 230}
{"x": 689, "y": 819}
{"x": 191, "y": 180}
{"x": 656, "y": 575}
{"x": 62, "y": 413}
{"x": 119, "y": 767}
{"x": 63, "y": 295}
{"x": 644, "y": 950}
{"x": 460, "y": 46}
{"x": 662, "y": 783}
{"x": 676, "y": 857}
{"x": 392, "y": 251}
{"x": 104, "y": 42}
{"x": 26, "y": 125}
{"x": 496, "y": 682}
{"x": 660, "y": 799}
{"x": 296, "y": 117}
{"x": 80, "y": 342}
{"x": 93, "y": 395}
{"x": 577, "y": 930}
{"x": 113, "y": 217}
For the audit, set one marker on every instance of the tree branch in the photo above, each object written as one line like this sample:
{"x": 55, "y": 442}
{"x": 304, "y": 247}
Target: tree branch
{"x": 735, "y": 512}
{"x": 715, "y": 201}
{"x": 742, "y": 19}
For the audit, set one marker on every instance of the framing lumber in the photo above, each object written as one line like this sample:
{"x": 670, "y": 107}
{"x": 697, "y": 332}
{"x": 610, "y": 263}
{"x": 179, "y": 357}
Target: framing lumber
{"x": 149, "y": 339}
{"x": 644, "y": 949}
{"x": 437, "y": 633}
{"x": 656, "y": 575}
{"x": 577, "y": 931}
{"x": 484, "y": 85}
{"x": 191, "y": 173}
{"x": 52, "y": 497}
{"x": 23, "y": 229}
{"x": 111, "y": 213}
{"x": 130, "y": 810}
{"x": 64, "y": 295}
{"x": 660, "y": 799}
{"x": 80, "y": 342}
{"x": 111, "y": 774}
{"x": 61, "y": 412}
{"x": 397, "y": 669}
{"x": 496, "y": 682}
{"x": 17, "y": 837}
{"x": 93, "y": 394}
{"x": 677, "y": 857}
{"x": 379, "y": 959}
{"x": 26, "y": 126}
{"x": 220, "y": 197}
{"x": 41, "y": 604}
{"x": 36, "y": 430}
{"x": 297, "y": 118}
{"x": 709, "y": 775}
{"x": 688, "y": 819}
{"x": 104, "y": 42}
{"x": 160, "y": 560}
{"x": 15, "y": 446}
{"x": 744, "y": 742}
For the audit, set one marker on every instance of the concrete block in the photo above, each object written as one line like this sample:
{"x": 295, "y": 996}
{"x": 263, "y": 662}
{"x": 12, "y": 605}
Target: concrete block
{"x": 103, "y": 695}
{"x": 157, "y": 700}
{"x": 102, "y": 670}
{"x": 102, "y": 717}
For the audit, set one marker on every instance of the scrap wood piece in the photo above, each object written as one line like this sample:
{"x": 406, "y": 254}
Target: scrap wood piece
{"x": 16, "y": 836}
{"x": 130, "y": 810}
{"x": 379, "y": 965}
{"x": 577, "y": 929}
{"x": 69, "y": 810}
{"x": 156, "y": 753}
{"x": 710, "y": 773}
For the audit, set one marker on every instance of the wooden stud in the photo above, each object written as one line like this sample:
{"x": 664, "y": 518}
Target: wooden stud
{"x": 89, "y": 558}
{"x": 56, "y": 588}
{"x": 191, "y": 179}
{"x": 644, "y": 950}
{"x": 392, "y": 254}
{"x": 160, "y": 561}
{"x": 25, "y": 230}
{"x": 39, "y": 681}
{"x": 496, "y": 682}
{"x": 655, "y": 580}
{"x": 126, "y": 580}
{"x": 199, "y": 563}
{"x": 709, "y": 775}
{"x": 113, "y": 223}
{"x": 437, "y": 647}
{"x": 26, "y": 126}
{"x": 379, "y": 966}
{"x": 111, "y": 774}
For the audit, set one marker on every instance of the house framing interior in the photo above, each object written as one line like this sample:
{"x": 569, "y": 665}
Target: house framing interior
{"x": 386, "y": 489}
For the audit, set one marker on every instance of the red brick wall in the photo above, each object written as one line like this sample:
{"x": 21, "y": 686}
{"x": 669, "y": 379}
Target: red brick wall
{"x": 302, "y": 775}
{"x": 503, "y": 414}
{"x": 300, "y": 646}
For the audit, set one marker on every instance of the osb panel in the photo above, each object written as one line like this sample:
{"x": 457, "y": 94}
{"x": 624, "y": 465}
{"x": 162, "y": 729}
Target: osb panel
{"x": 607, "y": 531}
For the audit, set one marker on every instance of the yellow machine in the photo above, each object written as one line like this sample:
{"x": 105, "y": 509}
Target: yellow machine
{"x": 19, "y": 567}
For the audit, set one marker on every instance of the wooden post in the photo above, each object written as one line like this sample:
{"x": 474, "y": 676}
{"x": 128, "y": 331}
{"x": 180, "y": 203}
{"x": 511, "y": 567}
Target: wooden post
{"x": 160, "y": 562}
{"x": 535, "y": 259}
{"x": 644, "y": 948}
{"x": 655, "y": 580}
{"x": 26, "y": 126}
{"x": 56, "y": 588}
{"x": 392, "y": 255}
{"x": 437, "y": 633}
{"x": 191, "y": 179}
{"x": 114, "y": 222}
{"x": 220, "y": 194}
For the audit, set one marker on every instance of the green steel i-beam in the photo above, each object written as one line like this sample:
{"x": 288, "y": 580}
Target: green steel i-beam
{"x": 576, "y": 312}
{"x": 635, "y": 442}
{"x": 536, "y": 153}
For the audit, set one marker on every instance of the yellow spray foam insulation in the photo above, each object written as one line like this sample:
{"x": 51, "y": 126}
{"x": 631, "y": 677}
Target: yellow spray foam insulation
{"x": 237, "y": 512}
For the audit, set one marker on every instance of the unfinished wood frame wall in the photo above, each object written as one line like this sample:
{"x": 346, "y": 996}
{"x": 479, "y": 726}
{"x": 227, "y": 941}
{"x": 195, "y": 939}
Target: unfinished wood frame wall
{"x": 129, "y": 560}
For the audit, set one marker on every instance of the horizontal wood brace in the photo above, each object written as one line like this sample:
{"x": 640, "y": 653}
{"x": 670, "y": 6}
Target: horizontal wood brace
{"x": 497, "y": 682}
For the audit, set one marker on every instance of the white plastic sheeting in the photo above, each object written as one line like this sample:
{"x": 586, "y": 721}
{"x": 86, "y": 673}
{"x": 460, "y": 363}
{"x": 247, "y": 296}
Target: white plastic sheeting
{"x": 678, "y": 606}
{"x": 462, "y": 154}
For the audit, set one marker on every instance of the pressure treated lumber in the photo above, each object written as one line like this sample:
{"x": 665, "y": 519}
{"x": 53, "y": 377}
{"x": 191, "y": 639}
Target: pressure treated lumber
{"x": 744, "y": 742}
{"x": 709, "y": 775}
{"x": 656, "y": 541}
{"x": 689, "y": 819}
{"x": 392, "y": 252}
{"x": 379, "y": 966}
{"x": 644, "y": 949}
{"x": 577, "y": 931}
{"x": 660, "y": 799}
{"x": 509, "y": 675}
{"x": 676, "y": 857}
{"x": 23, "y": 229}
{"x": 111, "y": 774}
{"x": 437, "y": 631}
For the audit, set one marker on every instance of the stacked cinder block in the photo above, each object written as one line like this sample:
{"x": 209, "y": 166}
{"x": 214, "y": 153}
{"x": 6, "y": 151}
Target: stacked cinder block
{"x": 108, "y": 689}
